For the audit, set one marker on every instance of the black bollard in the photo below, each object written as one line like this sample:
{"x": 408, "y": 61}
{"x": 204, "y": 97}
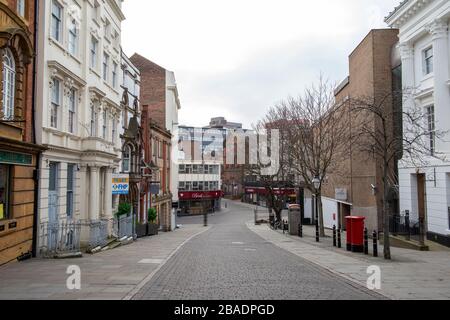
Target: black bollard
{"x": 205, "y": 220}
{"x": 283, "y": 226}
{"x": 366, "y": 241}
{"x": 300, "y": 230}
{"x": 334, "y": 236}
{"x": 375, "y": 244}
{"x": 339, "y": 238}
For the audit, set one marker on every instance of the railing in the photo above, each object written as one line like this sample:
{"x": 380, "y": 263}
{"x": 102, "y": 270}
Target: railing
{"x": 98, "y": 232}
{"x": 59, "y": 238}
{"x": 403, "y": 225}
{"x": 123, "y": 227}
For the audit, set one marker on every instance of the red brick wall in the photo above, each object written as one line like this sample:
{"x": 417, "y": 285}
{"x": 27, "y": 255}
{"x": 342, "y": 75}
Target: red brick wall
{"x": 153, "y": 88}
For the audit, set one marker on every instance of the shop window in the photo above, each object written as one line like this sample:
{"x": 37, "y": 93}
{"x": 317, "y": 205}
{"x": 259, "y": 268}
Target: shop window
{"x": 5, "y": 177}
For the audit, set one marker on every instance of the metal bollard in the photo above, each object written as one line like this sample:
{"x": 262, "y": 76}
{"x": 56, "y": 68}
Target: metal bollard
{"x": 300, "y": 230}
{"x": 339, "y": 238}
{"x": 334, "y": 236}
{"x": 205, "y": 220}
{"x": 375, "y": 244}
{"x": 366, "y": 241}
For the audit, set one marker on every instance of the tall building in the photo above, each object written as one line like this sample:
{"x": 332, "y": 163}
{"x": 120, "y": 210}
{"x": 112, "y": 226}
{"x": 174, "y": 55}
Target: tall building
{"x": 424, "y": 51}
{"x": 159, "y": 93}
{"x": 19, "y": 153}
{"x": 349, "y": 189}
{"x": 79, "y": 110}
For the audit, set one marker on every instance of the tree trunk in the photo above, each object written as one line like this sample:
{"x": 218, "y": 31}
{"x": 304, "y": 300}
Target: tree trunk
{"x": 321, "y": 224}
{"x": 386, "y": 229}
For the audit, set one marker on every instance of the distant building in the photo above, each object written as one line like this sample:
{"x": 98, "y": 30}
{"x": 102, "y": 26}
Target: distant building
{"x": 199, "y": 170}
{"x": 159, "y": 93}
{"x": 424, "y": 53}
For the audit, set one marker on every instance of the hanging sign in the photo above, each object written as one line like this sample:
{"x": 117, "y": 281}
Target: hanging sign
{"x": 120, "y": 184}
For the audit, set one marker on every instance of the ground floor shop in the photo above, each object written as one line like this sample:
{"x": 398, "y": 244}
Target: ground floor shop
{"x": 199, "y": 202}
{"x": 17, "y": 198}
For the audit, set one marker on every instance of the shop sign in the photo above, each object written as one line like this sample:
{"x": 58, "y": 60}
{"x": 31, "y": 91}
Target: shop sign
{"x": 341, "y": 194}
{"x": 120, "y": 184}
{"x": 16, "y": 158}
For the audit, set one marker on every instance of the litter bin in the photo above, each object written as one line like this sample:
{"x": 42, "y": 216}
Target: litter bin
{"x": 355, "y": 234}
{"x": 294, "y": 219}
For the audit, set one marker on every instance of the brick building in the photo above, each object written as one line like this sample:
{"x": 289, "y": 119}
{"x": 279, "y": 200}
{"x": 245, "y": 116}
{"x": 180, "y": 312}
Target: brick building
{"x": 350, "y": 190}
{"x": 18, "y": 151}
{"x": 159, "y": 93}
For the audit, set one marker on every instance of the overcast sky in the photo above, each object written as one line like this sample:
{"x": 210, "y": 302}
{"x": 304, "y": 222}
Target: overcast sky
{"x": 236, "y": 58}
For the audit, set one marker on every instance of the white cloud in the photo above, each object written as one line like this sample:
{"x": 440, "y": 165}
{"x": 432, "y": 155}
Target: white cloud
{"x": 237, "y": 57}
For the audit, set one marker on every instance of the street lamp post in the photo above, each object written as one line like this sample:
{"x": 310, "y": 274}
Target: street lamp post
{"x": 316, "y": 183}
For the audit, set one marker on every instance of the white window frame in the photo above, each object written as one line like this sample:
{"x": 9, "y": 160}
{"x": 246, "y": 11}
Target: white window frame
{"x": 114, "y": 74}
{"x": 93, "y": 52}
{"x": 55, "y": 103}
{"x": 126, "y": 159}
{"x": 428, "y": 61}
{"x": 105, "y": 124}
{"x": 93, "y": 125}
{"x": 72, "y": 111}
{"x": 9, "y": 84}
{"x": 431, "y": 128}
{"x": 105, "y": 66}
{"x": 60, "y": 20}
{"x": 73, "y": 38}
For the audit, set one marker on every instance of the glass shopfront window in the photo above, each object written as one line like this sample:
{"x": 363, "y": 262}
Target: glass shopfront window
{"x": 5, "y": 179}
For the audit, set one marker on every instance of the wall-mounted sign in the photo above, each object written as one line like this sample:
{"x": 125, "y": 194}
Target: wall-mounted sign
{"x": 154, "y": 188}
{"x": 341, "y": 194}
{"x": 120, "y": 184}
{"x": 16, "y": 158}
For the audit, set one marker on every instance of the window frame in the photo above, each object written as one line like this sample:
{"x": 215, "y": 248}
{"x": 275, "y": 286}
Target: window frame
{"x": 93, "y": 121}
{"x": 114, "y": 75}
{"x": 9, "y": 77}
{"x": 60, "y": 20}
{"x": 21, "y": 8}
{"x": 93, "y": 52}
{"x": 105, "y": 66}
{"x": 105, "y": 124}
{"x": 55, "y": 105}
{"x": 72, "y": 110}
{"x": 7, "y": 204}
{"x": 73, "y": 38}
{"x": 431, "y": 127}
{"x": 70, "y": 190}
{"x": 428, "y": 61}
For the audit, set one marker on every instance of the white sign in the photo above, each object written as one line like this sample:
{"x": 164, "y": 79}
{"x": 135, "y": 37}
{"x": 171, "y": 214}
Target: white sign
{"x": 341, "y": 194}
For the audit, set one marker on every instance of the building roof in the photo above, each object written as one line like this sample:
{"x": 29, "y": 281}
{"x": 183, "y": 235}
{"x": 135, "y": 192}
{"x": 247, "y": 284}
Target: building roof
{"x": 396, "y": 9}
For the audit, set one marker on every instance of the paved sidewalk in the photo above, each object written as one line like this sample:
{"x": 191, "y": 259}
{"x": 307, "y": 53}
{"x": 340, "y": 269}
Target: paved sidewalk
{"x": 410, "y": 275}
{"x": 110, "y": 275}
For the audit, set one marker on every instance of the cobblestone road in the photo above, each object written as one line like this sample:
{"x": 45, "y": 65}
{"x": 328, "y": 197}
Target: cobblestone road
{"x": 231, "y": 262}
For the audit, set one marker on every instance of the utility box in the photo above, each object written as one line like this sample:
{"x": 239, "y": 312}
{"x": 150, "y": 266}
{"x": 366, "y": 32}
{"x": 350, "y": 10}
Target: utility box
{"x": 355, "y": 233}
{"x": 294, "y": 218}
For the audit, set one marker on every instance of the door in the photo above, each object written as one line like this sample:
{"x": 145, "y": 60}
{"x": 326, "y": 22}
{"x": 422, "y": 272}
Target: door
{"x": 53, "y": 206}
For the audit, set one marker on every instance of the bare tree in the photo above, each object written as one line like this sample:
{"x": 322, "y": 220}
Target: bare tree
{"x": 271, "y": 171}
{"x": 316, "y": 131}
{"x": 388, "y": 133}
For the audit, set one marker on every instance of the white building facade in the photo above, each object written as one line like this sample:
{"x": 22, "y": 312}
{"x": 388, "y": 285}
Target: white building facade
{"x": 79, "y": 108}
{"x": 424, "y": 45}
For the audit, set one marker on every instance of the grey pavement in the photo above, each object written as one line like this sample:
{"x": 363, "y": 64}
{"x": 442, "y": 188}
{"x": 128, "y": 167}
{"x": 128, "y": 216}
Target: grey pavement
{"x": 109, "y": 275}
{"x": 230, "y": 262}
{"x": 410, "y": 275}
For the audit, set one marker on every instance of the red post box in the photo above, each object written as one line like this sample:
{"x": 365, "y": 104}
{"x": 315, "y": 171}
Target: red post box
{"x": 348, "y": 225}
{"x": 357, "y": 237}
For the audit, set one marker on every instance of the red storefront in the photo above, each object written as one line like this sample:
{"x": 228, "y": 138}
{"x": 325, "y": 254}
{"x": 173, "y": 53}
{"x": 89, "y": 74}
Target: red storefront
{"x": 199, "y": 202}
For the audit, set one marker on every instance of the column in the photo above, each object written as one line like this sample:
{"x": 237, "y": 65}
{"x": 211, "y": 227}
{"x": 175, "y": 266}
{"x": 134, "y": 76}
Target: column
{"x": 108, "y": 194}
{"x": 93, "y": 193}
{"x": 438, "y": 30}
{"x": 407, "y": 57}
{"x": 82, "y": 197}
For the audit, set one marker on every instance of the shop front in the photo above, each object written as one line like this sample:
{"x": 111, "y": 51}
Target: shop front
{"x": 258, "y": 195}
{"x": 199, "y": 202}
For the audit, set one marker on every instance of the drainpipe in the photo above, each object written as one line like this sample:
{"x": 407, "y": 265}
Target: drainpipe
{"x": 33, "y": 125}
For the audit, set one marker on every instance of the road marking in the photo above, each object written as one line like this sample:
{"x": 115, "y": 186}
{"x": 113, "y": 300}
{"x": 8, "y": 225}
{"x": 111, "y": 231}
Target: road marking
{"x": 237, "y": 243}
{"x": 151, "y": 261}
{"x": 249, "y": 249}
